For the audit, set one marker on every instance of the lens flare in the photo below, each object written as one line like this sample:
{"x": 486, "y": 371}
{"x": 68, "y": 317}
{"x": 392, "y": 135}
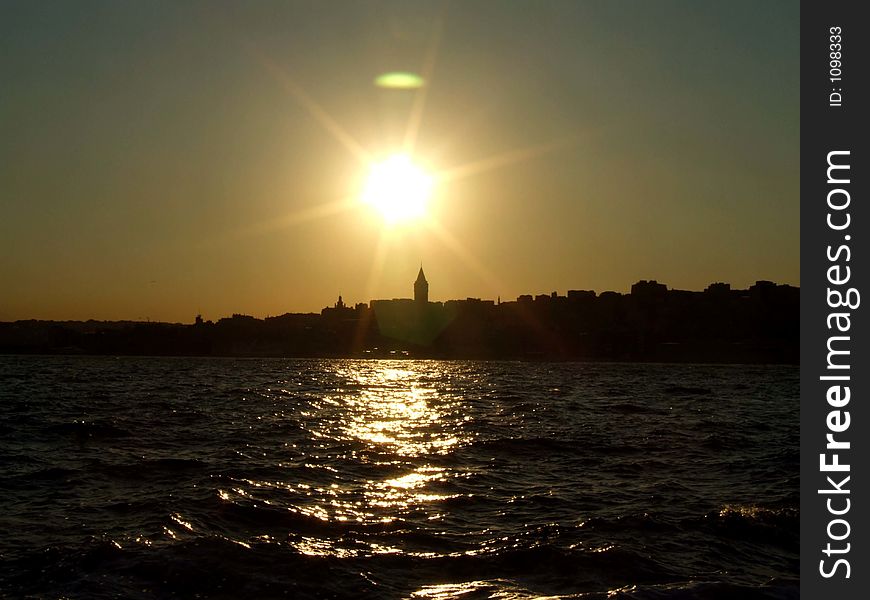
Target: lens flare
{"x": 399, "y": 80}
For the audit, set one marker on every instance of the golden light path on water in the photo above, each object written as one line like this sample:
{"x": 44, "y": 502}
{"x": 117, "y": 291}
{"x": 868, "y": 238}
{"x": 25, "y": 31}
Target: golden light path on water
{"x": 408, "y": 478}
{"x": 395, "y": 413}
{"x": 379, "y": 417}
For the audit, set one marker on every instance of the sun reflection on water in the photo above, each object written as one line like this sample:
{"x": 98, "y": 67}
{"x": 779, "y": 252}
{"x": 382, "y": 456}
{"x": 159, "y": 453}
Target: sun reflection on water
{"x": 376, "y": 437}
{"x": 394, "y": 411}
{"x": 399, "y": 412}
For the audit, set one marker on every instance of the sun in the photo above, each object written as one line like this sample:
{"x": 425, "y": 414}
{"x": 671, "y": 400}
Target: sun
{"x": 398, "y": 189}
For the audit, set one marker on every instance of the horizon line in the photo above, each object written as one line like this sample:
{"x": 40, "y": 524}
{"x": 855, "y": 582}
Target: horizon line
{"x": 553, "y": 294}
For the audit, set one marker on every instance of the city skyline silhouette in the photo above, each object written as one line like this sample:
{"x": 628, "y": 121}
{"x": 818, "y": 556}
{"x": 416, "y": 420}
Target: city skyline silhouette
{"x": 650, "y": 323}
{"x": 433, "y": 299}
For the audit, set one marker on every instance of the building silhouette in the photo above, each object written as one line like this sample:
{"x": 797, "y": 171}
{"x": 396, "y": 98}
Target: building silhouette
{"x": 651, "y": 323}
{"x": 421, "y": 289}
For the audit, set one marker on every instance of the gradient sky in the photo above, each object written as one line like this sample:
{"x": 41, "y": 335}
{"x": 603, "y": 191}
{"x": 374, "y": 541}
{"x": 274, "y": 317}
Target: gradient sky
{"x": 163, "y": 159}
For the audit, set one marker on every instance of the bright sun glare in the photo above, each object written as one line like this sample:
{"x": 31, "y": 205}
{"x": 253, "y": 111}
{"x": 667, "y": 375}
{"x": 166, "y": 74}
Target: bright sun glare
{"x": 398, "y": 189}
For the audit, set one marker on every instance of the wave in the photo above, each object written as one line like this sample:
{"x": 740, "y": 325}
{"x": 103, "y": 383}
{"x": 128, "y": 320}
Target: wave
{"x": 686, "y": 390}
{"x": 269, "y": 566}
{"x": 157, "y": 478}
{"x": 90, "y": 430}
{"x": 748, "y": 522}
{"x": 710, "y": 590}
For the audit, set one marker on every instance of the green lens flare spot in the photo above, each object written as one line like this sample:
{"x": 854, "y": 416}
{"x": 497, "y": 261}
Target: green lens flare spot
{"x": 399, "y": 80}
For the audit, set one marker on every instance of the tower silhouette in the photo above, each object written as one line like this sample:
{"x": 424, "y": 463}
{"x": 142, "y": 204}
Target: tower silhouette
{"x": 421, "y": 288}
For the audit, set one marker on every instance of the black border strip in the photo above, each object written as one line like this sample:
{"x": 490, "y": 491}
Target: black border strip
{"x": 835, "y": 225}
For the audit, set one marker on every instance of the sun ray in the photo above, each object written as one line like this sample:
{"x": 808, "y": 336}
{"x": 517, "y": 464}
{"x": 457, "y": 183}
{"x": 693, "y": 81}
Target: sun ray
{"x": 320, "y": 114}
{"x": 502, "y": 160}
{"x": 340, "y": 134}
{"x": 457, "y": 247}
{"x": 416, "y": 115}
{"x": 304, "y": 215}
{"x": 377, "y": 267}
{"x": 371, "y": 287}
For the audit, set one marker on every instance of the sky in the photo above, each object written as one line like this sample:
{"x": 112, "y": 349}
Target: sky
{"x": 160, "y": 160}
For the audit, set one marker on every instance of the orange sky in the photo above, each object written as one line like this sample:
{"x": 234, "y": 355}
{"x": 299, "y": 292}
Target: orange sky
{"x": 163, "y": 160}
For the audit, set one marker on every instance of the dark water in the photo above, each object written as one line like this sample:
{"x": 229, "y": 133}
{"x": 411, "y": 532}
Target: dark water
{"x": 150, "y": 477}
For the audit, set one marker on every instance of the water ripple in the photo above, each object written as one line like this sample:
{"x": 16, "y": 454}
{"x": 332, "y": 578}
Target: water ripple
{"x": 138, "y": 477}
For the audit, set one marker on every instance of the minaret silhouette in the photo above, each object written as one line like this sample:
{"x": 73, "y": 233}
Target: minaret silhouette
{"x": 421, "y": 288}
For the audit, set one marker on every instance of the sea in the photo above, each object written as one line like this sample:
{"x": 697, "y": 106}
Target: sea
{"x": 138, "y": 477}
